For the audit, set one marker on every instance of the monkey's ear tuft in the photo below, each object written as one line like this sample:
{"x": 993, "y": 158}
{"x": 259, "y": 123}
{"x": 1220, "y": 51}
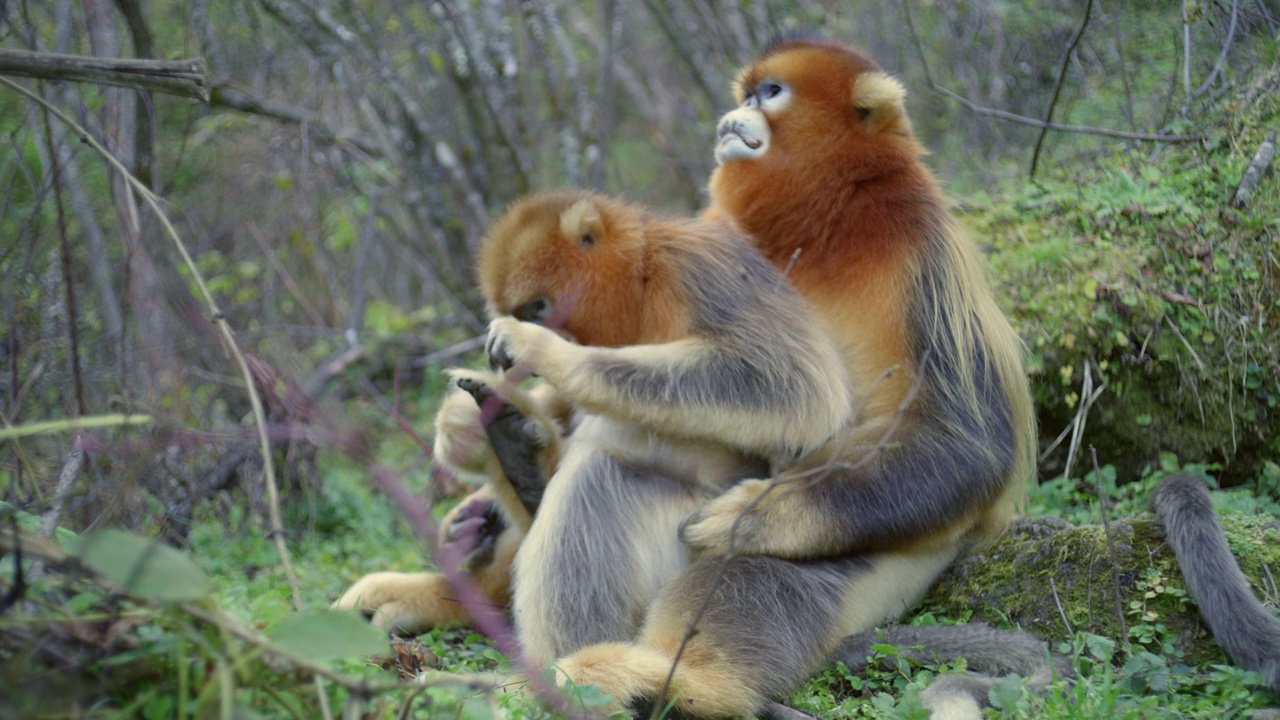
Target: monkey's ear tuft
{"x": 581, "y": 223}
{"x": 880, "y": 102}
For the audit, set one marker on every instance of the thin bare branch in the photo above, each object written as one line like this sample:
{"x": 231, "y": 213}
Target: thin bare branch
{"x": 1111, "y": 548}
{"x": 1024, "y": 120}
{"x": 1226, "y": 48}
{"x": 1057, "y": 88}
{"x": 222, "y": 95}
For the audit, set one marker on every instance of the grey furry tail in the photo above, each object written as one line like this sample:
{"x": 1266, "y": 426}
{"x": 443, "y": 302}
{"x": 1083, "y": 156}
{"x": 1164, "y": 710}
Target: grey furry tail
{"x": 989, "y": 654}
{"x": 985, "y": 650}
{"x": 1247, "y": 632}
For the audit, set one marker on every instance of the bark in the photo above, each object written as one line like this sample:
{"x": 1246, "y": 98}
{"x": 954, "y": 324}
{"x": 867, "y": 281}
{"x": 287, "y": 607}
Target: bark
{"x": 146, "y": 291}
{"x": 71, "y": 181}
{"x": 186, "y": 78}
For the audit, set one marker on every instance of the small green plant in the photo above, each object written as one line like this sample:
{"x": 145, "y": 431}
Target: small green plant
{"x": 1148, "y": 630}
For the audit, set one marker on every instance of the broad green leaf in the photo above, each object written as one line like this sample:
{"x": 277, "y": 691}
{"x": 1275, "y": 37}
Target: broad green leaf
{"x": 144, "y": 568}
{"x": 327, "y": 635}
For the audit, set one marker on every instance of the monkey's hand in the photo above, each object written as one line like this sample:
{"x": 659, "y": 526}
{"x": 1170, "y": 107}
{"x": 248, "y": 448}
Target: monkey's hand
{"x": 513, "y": 343}
{"x": 735, "y": 520}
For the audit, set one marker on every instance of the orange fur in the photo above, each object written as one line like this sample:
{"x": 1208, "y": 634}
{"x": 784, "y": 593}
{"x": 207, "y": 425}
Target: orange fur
{"x": 859, "y": 208}
{"x": 617, "y": 292}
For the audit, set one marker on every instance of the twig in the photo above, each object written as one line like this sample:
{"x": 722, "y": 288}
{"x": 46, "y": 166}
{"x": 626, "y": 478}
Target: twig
{"x": 1111, "y": 547}
{"x": 1257, "y": 169}
{"x": 1057, "y": 88}
{"x": 68, "y": 281}
{"x": 1087, "y": 397}
{"x": 450, "y": 352}
{"x": 187, "y": 78}
{"x": 90, "y": 422}
{"x": 285, "y": 276}
{"x": 223, "y": 95}
{"x": 1226, "y": 48}
{"x": 1058, "y": 601}
{"x": 368, "y": 234}
{"x": 478, "y": 681}
{"x": 75, "y": 461}
{"x": 1194, "y": 355}
{"x": 1186, "y": 56}
{"x": 1024, "y": 120}
{"x": 604, "y": 95}
{"x": 255, "y": 401}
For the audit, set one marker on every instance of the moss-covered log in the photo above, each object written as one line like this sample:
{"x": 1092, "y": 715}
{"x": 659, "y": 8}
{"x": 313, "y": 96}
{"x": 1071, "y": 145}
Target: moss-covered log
{"x": 1055, "y": 579}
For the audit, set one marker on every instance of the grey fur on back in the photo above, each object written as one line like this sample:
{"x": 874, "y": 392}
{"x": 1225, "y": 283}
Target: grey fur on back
{"x": 1248, "y": 633}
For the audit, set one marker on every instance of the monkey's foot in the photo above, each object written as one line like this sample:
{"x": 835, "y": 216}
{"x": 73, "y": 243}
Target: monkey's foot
{"x": 475, "y": 525}
{"x": 517, "y": 442}
{"x": 405, "y": 603}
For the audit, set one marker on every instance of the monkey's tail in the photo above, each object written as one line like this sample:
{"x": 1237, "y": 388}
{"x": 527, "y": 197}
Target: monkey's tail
{"x": 1247, "y": 632}
{"x": 990, "y": 654}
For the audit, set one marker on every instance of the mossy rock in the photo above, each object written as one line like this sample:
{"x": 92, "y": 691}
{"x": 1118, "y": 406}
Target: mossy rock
{"x": 1055, "y": 579}
{"x": 1136, "y": 271}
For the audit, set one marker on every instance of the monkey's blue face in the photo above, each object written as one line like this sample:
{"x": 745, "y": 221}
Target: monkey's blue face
{"x": 744, "y": 133}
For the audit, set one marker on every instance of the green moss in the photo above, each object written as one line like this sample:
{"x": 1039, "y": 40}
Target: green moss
{"x": 1054, "y": 579}
{"x": 1136, "y": 271}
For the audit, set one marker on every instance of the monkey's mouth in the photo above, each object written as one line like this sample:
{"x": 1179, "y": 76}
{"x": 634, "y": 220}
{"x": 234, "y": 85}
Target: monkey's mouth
{"x": 736, "y": 135}
{"x": 741, "y": 134}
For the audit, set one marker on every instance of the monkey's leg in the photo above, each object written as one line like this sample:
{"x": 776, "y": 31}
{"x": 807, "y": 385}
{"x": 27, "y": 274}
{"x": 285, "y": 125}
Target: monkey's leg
{"x": 413, "y": 602}
{"x": 768, "y": 623}
{"x": 602, "y": 546}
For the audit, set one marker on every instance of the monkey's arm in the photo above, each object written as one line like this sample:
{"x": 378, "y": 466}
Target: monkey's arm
{"x": 928, "y": 475}
{"x": 784, "y": 388}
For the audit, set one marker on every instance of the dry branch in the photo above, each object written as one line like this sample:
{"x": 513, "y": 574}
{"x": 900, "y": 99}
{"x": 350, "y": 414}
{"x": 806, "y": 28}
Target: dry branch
{"x": 223, "y": 96}
{"x": 187, "y": 78}
{"x": 1257, "y": 169}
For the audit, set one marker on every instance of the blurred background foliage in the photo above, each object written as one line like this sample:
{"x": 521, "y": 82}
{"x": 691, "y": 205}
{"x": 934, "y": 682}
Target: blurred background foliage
{"x": 353, "y": 151}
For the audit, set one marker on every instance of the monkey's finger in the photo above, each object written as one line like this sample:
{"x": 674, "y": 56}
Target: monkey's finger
{"x": 464, "y": 528}
{"x": 499, "y": 357}
{"x": 481, "y": 553}
{"x": 475, "y": 389}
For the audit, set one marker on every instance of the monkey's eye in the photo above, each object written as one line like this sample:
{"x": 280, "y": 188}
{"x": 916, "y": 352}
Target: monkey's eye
{"x": 587, "y": 240}
{"x": 773, "y": 95}
{"x": 536, "y": 310}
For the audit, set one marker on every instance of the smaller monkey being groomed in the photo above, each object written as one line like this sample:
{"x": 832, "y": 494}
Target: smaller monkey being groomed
{"x": 693, "y": 364}
{"x": 746, "y": 477}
